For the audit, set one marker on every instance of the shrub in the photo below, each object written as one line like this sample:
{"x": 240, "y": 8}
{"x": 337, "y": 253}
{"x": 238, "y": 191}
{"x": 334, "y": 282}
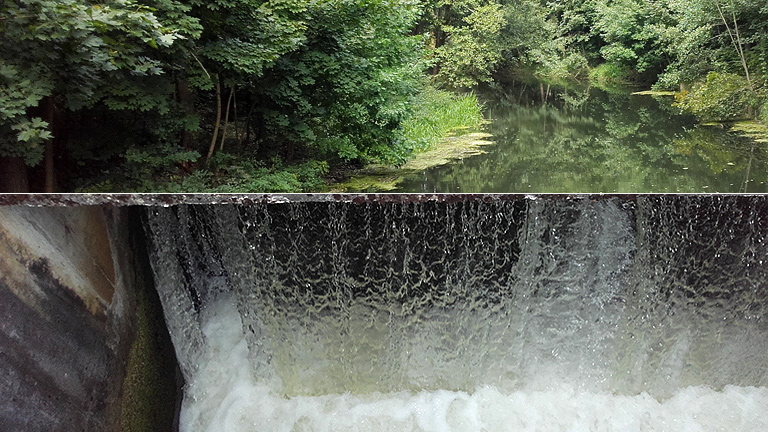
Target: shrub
{"x": 763, "y": 115}
{"x": 609, "y": 73}
{"x": 722, "y": 97}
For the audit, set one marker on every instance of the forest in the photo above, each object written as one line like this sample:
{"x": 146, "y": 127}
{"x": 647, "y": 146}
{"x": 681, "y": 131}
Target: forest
{"x": 286, "y": 95}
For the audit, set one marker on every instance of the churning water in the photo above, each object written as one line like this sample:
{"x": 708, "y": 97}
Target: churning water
{"x": 502, "y": 313}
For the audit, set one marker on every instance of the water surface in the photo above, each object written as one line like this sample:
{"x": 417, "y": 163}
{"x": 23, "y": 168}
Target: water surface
{"x": 594, "y": 141}
{"x": 522, "y": 313}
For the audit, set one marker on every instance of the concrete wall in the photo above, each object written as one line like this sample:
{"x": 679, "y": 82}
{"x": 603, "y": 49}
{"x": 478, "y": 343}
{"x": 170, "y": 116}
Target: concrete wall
{"x": 66, "y": 317}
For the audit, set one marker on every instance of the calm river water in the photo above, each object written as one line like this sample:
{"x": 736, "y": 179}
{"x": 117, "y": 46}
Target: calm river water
{"x": 593, "y": 141}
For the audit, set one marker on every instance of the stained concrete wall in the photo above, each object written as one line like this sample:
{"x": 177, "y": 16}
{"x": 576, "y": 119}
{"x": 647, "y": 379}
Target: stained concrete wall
{"x": 67, "y": 321}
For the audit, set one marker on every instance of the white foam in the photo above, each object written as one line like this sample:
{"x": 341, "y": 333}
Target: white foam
{"x": 226, "y": 396}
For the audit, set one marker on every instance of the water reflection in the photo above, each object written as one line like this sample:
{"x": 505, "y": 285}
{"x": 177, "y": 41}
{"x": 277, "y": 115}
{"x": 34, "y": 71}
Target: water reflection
{"x": 595, "y": 141}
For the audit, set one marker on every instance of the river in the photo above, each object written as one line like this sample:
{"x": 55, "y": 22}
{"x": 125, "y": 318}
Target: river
{"x": 597, "y": 141}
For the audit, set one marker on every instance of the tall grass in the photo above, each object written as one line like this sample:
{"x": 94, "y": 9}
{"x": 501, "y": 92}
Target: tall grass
{"x": 608, "y": 76}
{"x": 437, "y": 113}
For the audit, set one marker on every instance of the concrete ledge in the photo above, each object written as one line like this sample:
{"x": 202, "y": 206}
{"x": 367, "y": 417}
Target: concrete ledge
{"x": 165, "y": 200}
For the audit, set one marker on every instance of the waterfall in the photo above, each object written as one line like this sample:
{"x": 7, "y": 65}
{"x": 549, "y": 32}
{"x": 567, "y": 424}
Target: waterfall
{"x": 549, "y": 313}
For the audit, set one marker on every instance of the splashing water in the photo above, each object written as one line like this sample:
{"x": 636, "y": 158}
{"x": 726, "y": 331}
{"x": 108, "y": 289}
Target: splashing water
{"x": 521, "y": 315}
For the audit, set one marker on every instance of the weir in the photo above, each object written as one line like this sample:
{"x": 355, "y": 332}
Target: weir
{"x": 468, "y": 313}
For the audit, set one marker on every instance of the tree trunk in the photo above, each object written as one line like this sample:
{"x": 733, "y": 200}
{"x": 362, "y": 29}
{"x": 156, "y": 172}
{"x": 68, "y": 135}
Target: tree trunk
{"x": 736, "y": 40}
{"x": 740, "y": 47}
{"x": 212, "y": 147}
{"x": 440, "y": 36}
{"x": 226, "y": 118}
{"x": 442, "y": 17}
{"x": 237, "y": 127}
{"x": 247, "y": 136}
{"x": 186, "y": 101}
{"x": 13, "y": 175}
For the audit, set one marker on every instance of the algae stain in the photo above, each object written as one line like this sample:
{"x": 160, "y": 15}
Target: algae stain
{"x": 450, "y": 149}
{"x": 369, "y": 183}
{"x": 150, "y": 387}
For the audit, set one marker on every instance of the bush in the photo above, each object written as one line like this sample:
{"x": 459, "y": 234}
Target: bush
{"x": 232, "y": 174}
{"x": 722, "y": 97}
{"x": 226, "y": 173}
{"x": 763, "y": 115}
{"x": 249, "y": 176}
{"x": 609, "y": 73}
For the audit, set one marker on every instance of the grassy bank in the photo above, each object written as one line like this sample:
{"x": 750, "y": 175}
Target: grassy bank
{"x": 442, "y": 128}
{"x": 437, "y": 113}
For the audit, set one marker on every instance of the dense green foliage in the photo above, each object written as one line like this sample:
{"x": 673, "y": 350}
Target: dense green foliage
{"x": 131, "y": 94}
{"x": 344, "y": 92}
{"x": 74, "y": 51}
{"x": 267, "y": 95}
{"x": 725, "y": 96}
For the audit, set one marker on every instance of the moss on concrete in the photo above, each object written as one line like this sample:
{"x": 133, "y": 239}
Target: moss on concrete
{"x": 150, "y": 389}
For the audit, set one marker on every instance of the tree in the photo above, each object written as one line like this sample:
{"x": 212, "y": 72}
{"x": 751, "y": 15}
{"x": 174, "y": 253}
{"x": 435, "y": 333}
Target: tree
{"x": 629, "y": 31}
{"x": 473, "y": 39}
{"x": 575, "y": 22}
{"x": 345, "y": 90}
{"x": 713, "y": 35}
{"x": 60, "y": 55}
{"x": 240, "y": 40}
{"x": 473, "y": 47}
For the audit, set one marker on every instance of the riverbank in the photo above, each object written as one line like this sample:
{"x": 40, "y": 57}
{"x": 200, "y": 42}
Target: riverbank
{"x": 591, "y": 140}
{"x": 753, "y": 129}
{"x": 444, "y": 127}
{"x": 458, "y": 145}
